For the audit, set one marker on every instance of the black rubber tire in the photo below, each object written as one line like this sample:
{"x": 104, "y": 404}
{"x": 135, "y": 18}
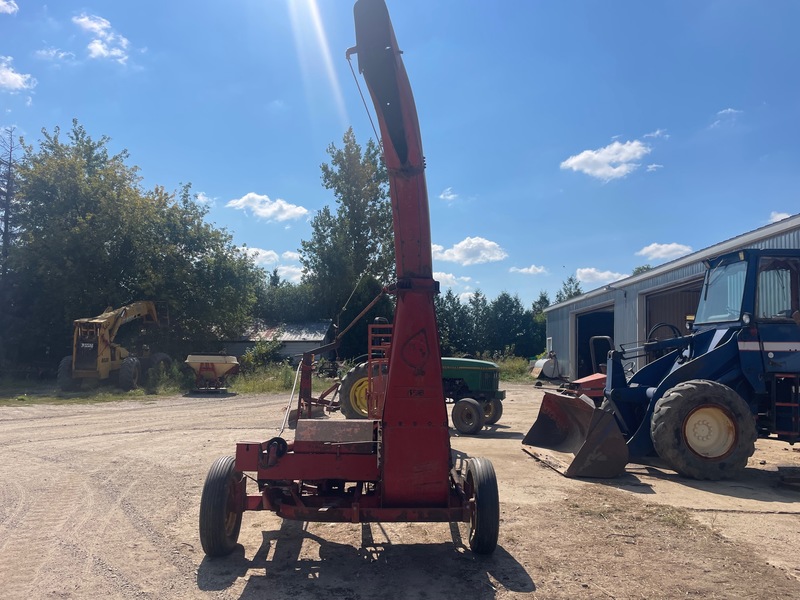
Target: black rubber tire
{"x": 220, "y": 517}
{"x": 64, "y": 377}
{"x": 159, "y": 358}
{"x": 492, "y": 411}
{"x": 352, "y": 392}
{"x": 674, "y": 411}
{"x": 480, "y": 485}
{"x": 129, "y": 372}
{"x": 467, "y": 416}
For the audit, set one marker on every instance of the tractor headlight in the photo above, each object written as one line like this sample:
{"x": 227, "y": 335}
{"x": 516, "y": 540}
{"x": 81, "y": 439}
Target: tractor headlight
{"x": 746, "y": 318}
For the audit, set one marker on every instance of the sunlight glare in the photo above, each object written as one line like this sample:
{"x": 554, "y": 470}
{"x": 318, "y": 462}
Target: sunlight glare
{"x": 303, "y": 13}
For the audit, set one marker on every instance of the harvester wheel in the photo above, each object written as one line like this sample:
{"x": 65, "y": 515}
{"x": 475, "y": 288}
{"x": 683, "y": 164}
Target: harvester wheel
{"x": 129, "y": 372}
{"x": 703, "y": 430}
{"x": 480, "y": 488}
{"x": 492, "y": 411}
{"x": 221, "y": 507}
{"x": 64, "y": 378}
{"x": 468, "y": 416}
{"x": 353, "y": 392}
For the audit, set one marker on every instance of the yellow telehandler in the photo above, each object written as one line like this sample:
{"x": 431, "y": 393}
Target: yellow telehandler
{"x": 96, "y": 356}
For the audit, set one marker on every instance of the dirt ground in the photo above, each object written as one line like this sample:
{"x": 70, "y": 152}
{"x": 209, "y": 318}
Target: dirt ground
{"x": 102, "y": 501}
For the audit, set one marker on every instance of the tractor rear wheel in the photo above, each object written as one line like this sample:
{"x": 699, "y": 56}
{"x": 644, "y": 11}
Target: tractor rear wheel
{"x": 353, "y": 392}
{"x": 64, "y": 378}
{"x": 129, "y": 372}
{"x": 703, "y": 430}
{"x": 468, "y": 416}
{"x": 221, "y": 507}
{"x": 480, "y": 488}
{"x": 492, "y": 411}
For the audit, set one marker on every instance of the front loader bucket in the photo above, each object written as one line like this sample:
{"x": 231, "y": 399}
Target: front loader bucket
{"x": 583, "y": 441}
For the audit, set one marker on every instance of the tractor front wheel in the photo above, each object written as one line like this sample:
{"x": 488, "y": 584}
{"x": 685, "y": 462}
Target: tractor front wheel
{"x": 480, "y": 488}
{"x": 353, "y": 392}
{"x": 703, "y": 430}
{"x": 492, "y": 411}
{"x": 129, "y": 372}
{"x": 468, "y": 416}
{"x": 221, "y": 508}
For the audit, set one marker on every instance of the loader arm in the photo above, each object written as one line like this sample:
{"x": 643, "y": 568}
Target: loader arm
{"x": 414, "y": 382}
{"x": 144, "y": 310}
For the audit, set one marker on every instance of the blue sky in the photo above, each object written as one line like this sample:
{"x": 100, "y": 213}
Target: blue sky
{"x": 562, "y": 137}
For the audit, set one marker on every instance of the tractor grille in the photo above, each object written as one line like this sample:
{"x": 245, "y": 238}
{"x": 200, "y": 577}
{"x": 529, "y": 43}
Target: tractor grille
{"x": 86, "y": 355}
{"x": 490, "y": 380}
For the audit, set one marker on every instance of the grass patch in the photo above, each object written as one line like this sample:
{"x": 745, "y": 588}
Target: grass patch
{"x": 273, "y": 378}
{"x": 514, "y": 368}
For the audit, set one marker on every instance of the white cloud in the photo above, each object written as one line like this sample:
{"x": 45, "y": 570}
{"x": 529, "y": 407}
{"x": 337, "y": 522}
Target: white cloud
{"x": 532, "y": 270}
{"x": 658, "y": 133}
{"x": 203, "y": 198}
{"x": 654, "y": 167}
{"x": 448, "y": 195}
{"x": 450, "y": 280}
{"x": 262, "y": 258}
{"x": 291, "y": 273}
{"x": 726, "y": 118}
{"x": 664, "y": 251}
{"x": 289, "y": 255}
{"x": 611, "y": 162}
{"x": 54, "y": 54}
{"x": 271, "y": 210}
{"x": 465, "y": 297}
{"x": 269, "y": 259}
{"x": 8, "y": 7}
{"x": 595, "y": 276}
{"x": 107, "y": 43}
{"x": 470, "y": 251}
{"x": 10, "y": 80}
{"x": 774, "y": 216}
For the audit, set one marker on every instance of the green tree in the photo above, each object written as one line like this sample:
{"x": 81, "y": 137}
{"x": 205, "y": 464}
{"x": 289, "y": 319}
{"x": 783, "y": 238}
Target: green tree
{"x": 479, "y": 314}
{"x": 453, "y": 320}
{"x": 510, "y": 326}
{"x": 351, "y": 252}
{"x": 91, "y": 237}
{"x": 641, "y": 269}
{"x": 357, "y": 240}
{"x": 570, "y": 288}
{"x": 539, "y": 340}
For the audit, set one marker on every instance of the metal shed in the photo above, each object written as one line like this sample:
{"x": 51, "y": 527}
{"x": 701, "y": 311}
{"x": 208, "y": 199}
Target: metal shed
{"x": 627, "y": 310}
{"x": 295, "y": 338}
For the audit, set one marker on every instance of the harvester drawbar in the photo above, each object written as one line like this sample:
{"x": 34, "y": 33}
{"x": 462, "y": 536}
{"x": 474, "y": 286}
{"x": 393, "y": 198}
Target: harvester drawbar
{"x": 399, "y": 467}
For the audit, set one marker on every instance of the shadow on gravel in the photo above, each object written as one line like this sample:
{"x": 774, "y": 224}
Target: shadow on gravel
{"x": 210, "y": 394}
{"x": 391, "y": 571}
{"x": 752, "y": 484}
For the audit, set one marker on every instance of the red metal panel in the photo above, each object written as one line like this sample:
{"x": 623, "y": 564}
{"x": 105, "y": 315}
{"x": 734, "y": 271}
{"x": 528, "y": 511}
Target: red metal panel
{"x": 337, "y": 437}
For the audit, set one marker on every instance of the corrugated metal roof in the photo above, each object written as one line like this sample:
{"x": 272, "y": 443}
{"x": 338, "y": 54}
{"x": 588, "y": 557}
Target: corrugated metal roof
{"x": 314, "y": 331}
{"x": 745, "y": 240}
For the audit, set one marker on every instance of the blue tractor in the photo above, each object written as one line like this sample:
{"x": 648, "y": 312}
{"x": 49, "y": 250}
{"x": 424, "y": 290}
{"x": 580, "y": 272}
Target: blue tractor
{"x": 701, "y": 405}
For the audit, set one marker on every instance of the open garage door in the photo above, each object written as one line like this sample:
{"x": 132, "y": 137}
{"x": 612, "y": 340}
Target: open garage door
{"x": 595, "y": 324}
{"x": 670, "y": 307}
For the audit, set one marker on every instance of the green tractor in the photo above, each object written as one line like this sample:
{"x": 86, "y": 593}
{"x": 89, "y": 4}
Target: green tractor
{"x": 471, "y": 385}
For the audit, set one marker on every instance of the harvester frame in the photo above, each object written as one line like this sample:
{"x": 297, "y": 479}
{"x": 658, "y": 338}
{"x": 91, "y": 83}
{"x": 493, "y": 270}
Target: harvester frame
{"x": 398, "y": 467}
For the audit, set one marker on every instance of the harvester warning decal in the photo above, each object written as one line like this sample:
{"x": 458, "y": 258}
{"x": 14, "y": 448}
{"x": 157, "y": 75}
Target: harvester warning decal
{"x": 416, "y": 350}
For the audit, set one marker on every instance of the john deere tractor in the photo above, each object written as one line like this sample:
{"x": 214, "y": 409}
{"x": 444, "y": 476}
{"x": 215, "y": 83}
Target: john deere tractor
{"x": 471, "y": 385}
